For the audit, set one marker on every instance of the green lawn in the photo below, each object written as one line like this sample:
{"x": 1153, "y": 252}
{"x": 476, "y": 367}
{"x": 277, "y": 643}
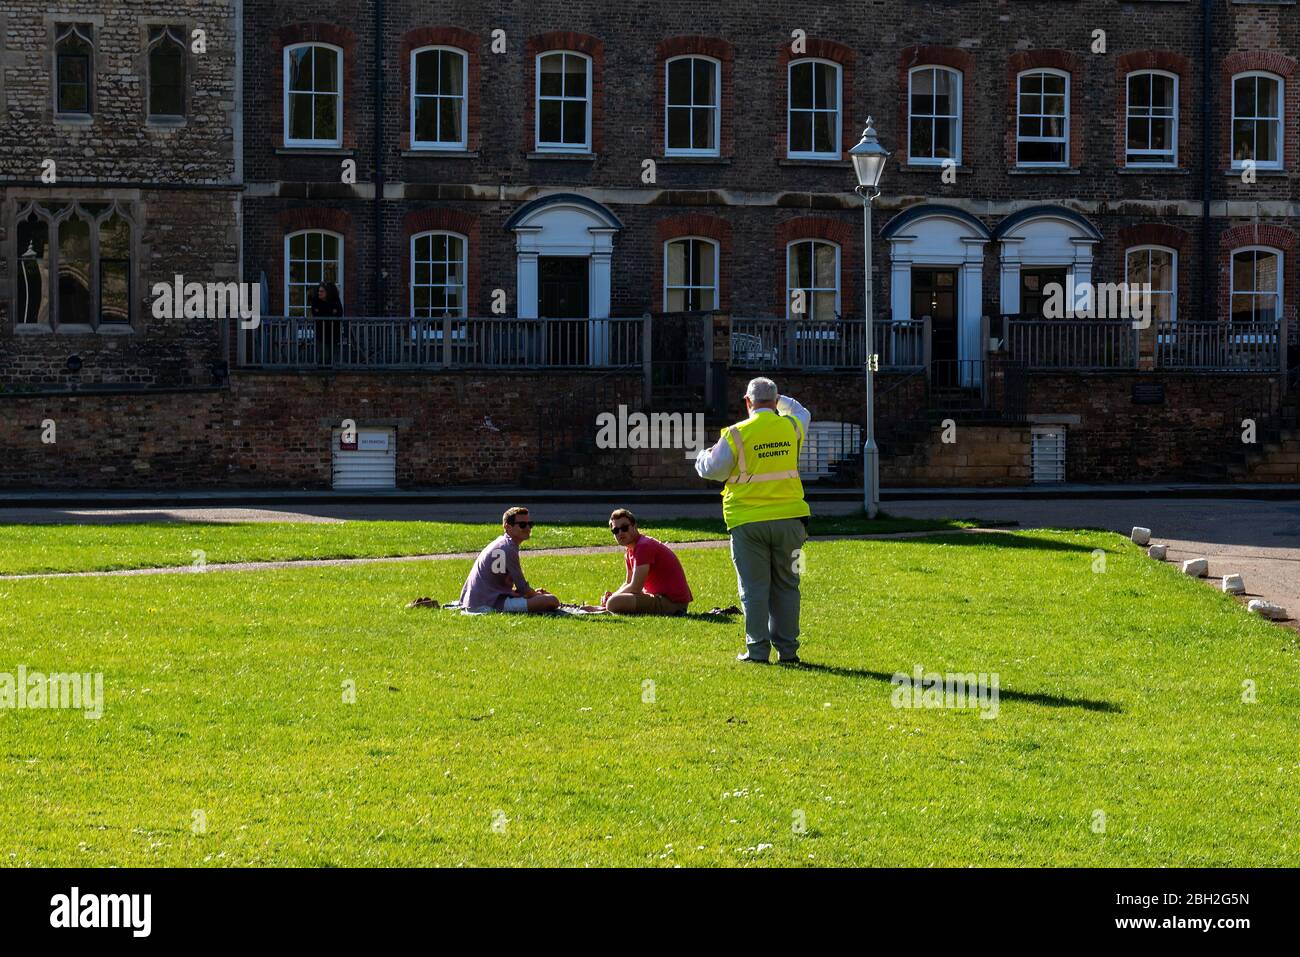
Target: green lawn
{"x": 65, "y": 548}
{"x": 1120, "y": 692}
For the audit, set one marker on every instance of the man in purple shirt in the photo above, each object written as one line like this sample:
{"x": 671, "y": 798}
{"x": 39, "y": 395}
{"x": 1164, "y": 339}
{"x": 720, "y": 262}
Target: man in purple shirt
{"x": 497, "y": 582}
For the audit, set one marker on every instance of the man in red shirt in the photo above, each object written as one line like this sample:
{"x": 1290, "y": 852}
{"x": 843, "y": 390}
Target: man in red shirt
{"x": 656, "y": 584}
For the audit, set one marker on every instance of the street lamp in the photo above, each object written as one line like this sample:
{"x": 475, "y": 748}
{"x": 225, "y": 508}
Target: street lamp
{"x": 869, "y": 164}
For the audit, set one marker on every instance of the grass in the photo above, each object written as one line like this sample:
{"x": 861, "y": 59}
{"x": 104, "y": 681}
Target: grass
{"x": 1121, "y": 692}
{"x": 28, "y": 549}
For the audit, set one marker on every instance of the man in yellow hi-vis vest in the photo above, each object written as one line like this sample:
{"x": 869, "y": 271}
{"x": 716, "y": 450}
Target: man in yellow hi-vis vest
{"x": 763, "y": 505}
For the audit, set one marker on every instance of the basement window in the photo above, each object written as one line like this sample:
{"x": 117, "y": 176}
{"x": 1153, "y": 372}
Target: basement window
{"x": 1048, "y": 455}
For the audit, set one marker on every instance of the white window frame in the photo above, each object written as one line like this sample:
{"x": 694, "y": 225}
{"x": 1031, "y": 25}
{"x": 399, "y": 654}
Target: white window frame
{"x": 789, "y": 289}
{"x": 1065, "y": 162}
{"x": 1280, "y": 119}
{"x": 717, "y": 268}
{"x": 464, "y": 264}
{"x": 1172, "y": 152}
{"x": 1172, "y": 291}
{"x": 337, "y": 141}
{"x": 462, "y": 142}
{"x": 790, "y": 151}
{"x": 955, "y": 118}
{"x": 589, "y": 100}
{"x": 341, "y": 265}
{"x": 1280, "y": 292}
{"x": 716, "y": 107}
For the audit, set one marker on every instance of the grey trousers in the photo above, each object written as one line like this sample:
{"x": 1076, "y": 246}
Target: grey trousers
{"x": 766, "y": 555}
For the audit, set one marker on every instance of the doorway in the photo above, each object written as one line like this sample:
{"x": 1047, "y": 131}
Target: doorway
{"x": 934, "y": 294}
{"x": 563, "y": 288}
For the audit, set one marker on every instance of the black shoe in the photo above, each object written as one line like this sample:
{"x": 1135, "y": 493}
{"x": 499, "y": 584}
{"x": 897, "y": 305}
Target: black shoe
{"x": 744, "y": 656}
{"x": 792, "y": 660}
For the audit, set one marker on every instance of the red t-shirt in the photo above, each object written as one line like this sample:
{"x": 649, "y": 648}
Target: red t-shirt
{"x": 666, "y": 575}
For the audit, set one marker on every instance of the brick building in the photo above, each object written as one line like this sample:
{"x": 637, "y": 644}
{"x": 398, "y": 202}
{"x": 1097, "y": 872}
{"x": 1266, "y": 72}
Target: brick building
{"x": 119, "y": 169}
{"x": 503, "y": 193}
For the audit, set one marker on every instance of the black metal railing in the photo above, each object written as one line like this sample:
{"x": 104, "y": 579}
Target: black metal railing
{"x": 294, "y": 342}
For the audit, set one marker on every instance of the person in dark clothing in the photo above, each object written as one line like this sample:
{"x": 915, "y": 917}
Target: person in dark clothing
{"x": 327, "y": 304}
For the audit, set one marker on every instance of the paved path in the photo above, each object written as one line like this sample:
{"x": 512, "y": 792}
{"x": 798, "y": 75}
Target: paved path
{"x": 451, "y": 556}
{"x": 1259, "y": 539}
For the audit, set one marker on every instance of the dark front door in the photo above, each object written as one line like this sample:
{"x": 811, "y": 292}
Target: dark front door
{"x": 1033, "y": 289}
{"x": 934, "y": 294}
{"x": 562, "y": 289}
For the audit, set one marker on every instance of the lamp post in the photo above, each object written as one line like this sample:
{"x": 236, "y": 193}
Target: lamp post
{"x": 869, "y": 165}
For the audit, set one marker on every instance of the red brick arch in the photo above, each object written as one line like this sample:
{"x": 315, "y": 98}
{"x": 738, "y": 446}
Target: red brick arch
{"x": 695, "y": 224}
{"x": 957, "y": 59}
{"x": 317, "y": 217}
{"x": 1259, "y": 234}
{"x": 1267, "y": 62}
{"x": 452, "y": 221}
{"x": 576, "y": 43}
{"x": 1169, "y": 62}
{"x": 1062, "y": 60}
{"x": 818, "y": 49}
{"x": 844, "y": 234}
{"x": 714, "y": 47}
{"x": 446, "y": 37}
{"x": 341, "y": 37}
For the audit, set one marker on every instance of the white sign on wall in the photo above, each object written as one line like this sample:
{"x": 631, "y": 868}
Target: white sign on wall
{"x": 372, "y": 442}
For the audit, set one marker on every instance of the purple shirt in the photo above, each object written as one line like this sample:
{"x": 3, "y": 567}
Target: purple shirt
{"x": 488, "y": 588}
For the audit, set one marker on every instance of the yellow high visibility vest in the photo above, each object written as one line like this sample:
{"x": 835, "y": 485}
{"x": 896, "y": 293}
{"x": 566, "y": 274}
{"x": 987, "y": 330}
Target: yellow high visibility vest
{"x": 764, "y": 482}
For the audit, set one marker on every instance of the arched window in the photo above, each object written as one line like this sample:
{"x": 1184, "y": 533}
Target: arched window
{"x": 74, "y": 71}
{"x": 1256, "y": 285}
{"x": 1043, "y": 118}
{"x": 1152, "y": 119}
{"x": 563, "y": 121}
{"x": 934, "y": 115}
{"x": 439, "y": 267}
{"x": 813, "y": 127}
{"x": 313, "y": 95}
{"x": 74, "y": 265}
{"x": 311, "y": 256}
{"x": 1156, "y": 266}
{"x": 439, "y": 108}
{"x": 692, "y": 106}
{"x": 166, "y": 71}
{"x": 812, "y": 280}
{"x": 1257, "y": 120}
{"x": 690, "y": 275}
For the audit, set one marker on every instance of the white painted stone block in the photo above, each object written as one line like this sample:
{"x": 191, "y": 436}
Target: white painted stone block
{"x": 1140, "y": 535}
{"x": 1158, "y": 552}
{"x": 1234, "y": 585}
{"x": 1266, "y": 609}
{"x": 1196, "y": 567}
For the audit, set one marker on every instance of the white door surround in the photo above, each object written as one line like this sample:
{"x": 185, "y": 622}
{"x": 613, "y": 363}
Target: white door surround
{"x": 564, "y": 224}
{"x": 938, "y": 236}
{"x": 1043, "y": 236}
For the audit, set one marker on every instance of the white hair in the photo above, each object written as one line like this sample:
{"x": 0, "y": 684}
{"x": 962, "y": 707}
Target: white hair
{"x": 761, "y": 390}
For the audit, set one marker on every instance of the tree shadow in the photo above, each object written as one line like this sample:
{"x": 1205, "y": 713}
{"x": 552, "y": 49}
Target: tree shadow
{"x": 1030, "y": 697}
{"x": 1019, "y": 540}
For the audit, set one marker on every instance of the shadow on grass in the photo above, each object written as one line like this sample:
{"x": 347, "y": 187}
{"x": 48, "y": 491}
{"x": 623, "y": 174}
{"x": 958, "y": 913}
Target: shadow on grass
{"x": 996, "y": 539}
{"x": 1030, "y": 697}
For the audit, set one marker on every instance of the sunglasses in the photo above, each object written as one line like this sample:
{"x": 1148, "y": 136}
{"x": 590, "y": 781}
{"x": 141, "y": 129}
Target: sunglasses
{"x": 619, "y": 529}
{"x": 523, "y": 524}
